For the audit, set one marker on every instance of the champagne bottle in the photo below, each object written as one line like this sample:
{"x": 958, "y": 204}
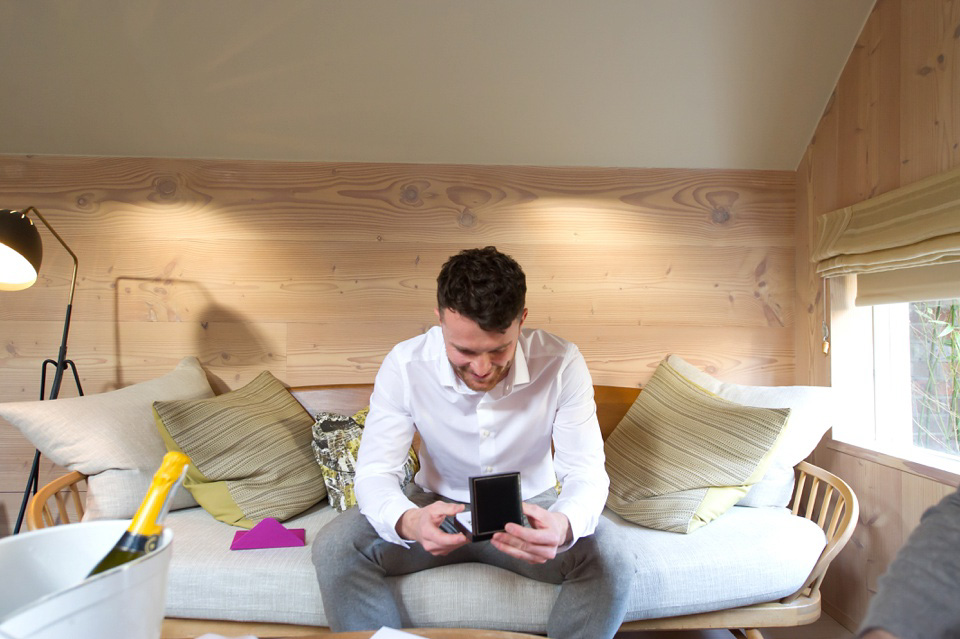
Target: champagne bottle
{"x": 143, "y": 535}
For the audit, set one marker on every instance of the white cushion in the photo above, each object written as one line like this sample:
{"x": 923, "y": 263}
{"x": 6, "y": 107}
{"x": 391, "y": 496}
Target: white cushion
{"x": 110, "y": 437}
{"x": 811, "y": 414}
{"x": 747, "y": 555}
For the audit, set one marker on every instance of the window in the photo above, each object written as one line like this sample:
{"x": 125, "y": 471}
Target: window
{"x": 935, "y": 374}
{"x": 898, "y": 368}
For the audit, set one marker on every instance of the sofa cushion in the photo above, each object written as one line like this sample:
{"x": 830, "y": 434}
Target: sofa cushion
{"x": 249, "y": 450}
{"x": 681, "y": 456}
{"x": 336, "y": 440}
{"x": 748, "y": 555}
{"x": 110, "y": 437}
{"x": 811, "y": 414}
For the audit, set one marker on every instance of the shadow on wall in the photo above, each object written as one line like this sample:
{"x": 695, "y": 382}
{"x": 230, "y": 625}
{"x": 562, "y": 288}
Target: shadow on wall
{"x": 161, "y": 320}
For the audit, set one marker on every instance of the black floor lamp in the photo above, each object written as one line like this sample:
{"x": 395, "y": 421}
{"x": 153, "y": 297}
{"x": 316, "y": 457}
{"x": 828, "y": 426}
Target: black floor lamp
{"x": 21, "y": 252}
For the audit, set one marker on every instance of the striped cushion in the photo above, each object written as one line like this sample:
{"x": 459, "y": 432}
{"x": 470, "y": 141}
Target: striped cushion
{"x": 682, "y": 456}
{"x": 250, "y": 452}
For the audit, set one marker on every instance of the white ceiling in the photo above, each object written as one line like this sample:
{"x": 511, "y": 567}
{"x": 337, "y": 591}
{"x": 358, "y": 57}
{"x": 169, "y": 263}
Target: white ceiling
{"x": 627, "y": 83}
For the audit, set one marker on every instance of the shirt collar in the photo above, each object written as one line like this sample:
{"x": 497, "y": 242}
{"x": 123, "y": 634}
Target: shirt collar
{"x": 518, "y": 374}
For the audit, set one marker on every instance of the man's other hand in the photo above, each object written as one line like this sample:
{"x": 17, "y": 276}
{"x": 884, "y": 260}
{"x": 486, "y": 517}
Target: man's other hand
{"x": 537, "y": 544}
{"x": 423, "y": 525}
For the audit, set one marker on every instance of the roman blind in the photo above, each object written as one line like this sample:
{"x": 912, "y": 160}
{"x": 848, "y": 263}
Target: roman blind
{"x": 903, "y": 245}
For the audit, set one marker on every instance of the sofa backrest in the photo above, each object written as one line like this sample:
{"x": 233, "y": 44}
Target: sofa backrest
{"x": 612, "y": 401}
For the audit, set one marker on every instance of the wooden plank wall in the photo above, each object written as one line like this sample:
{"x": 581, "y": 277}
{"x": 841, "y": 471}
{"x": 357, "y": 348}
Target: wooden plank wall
{"x": 313, "y": 271}
{"x": 894, "y": 119}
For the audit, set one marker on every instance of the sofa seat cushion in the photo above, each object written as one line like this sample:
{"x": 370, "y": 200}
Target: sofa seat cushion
{"x": 207, "y": 580}
{"x": 747, "y": 555}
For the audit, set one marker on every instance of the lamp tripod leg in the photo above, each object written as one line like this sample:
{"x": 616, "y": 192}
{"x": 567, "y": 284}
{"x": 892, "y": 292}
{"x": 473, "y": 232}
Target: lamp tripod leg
{"x": 32, "y": 485}
{"x": 33, "y": 481}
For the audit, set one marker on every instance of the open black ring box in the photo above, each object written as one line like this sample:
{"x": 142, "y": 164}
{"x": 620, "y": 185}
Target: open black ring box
{"x": 495, "y": 501}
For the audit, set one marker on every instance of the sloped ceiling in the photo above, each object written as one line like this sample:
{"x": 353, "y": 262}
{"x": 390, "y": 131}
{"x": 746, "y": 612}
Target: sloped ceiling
{"x": 624, "y": 83}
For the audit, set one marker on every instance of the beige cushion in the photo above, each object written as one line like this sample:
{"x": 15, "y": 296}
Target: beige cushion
{"x": 682, "y": 456}
{"x": 249, "y": 450}
{"x": 110, "y": 437}
{"x": 811, "y": 414}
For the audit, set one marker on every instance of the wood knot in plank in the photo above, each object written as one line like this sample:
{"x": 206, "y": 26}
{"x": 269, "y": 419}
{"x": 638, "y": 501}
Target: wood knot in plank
{"x": 720, "y": 215}
{"x": 761, "y": 269}
{"x": 87, "y": 202}
{"x": 164, "y": 189}
{"x": 411, "y": 193}
{"x": 467, "y": 219}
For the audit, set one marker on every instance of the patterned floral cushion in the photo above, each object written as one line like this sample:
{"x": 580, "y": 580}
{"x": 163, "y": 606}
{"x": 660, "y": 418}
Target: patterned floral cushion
{"x": 336, "y": 440}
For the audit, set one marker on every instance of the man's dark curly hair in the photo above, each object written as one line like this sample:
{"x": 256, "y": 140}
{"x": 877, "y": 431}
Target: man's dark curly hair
{"x": 484, "y": 285}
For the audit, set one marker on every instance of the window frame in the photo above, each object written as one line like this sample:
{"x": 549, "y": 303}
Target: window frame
{"x": 867, "y": 426}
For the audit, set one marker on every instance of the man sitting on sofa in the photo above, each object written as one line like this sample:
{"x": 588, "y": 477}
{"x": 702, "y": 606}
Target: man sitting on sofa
{"x": 486, "y": 397}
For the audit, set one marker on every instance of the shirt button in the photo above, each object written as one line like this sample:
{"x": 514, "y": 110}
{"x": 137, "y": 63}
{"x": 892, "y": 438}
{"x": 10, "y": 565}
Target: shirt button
{"x": 489, "y": 469}
{"x": 484, "y": 433}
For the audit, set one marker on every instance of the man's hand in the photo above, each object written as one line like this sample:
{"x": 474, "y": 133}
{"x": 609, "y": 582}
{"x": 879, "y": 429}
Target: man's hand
{"x": 538, "y": 544}
{"x": 423, "y": 525}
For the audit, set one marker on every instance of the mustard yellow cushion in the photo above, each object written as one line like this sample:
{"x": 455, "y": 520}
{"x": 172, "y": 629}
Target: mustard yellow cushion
{"x": 249, "y": 450}
{"x": 682, "y": 456}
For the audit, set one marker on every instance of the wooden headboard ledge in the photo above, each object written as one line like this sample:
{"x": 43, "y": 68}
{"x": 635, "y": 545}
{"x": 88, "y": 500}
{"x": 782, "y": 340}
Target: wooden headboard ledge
{"x": 612, "y": 401}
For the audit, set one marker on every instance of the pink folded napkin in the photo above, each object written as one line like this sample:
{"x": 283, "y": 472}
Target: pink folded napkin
{"x": 269, "y": 533}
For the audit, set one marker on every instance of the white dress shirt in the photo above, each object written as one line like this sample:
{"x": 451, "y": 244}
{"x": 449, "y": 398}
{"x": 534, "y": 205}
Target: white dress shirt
{"x": 547, "y": 396}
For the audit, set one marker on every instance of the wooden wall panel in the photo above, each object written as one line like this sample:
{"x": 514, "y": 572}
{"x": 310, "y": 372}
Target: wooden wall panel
{"x": 313, "y": 271}
{"x": 894, "y": 119}
{"x": 930, "y": 89}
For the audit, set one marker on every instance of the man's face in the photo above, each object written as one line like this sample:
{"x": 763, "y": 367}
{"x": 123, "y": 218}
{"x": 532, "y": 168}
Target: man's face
{"x": 480, "y": 358}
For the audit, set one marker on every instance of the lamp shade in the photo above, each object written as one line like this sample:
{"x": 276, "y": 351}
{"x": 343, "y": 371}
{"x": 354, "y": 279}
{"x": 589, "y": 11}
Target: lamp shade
{"x": 20, "y": 251}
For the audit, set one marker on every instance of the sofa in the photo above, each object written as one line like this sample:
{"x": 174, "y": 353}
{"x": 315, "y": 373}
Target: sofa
{"x": 757, "y": 563}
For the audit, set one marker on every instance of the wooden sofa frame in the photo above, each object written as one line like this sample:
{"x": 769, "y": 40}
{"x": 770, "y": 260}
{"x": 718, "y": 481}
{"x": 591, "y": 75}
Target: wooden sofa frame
{"x": 818, "y": 496}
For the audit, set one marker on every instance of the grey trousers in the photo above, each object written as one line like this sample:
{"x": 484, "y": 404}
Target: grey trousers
{"x": 352, "y": 561}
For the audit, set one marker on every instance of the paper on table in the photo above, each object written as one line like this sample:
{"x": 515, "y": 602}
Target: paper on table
{"x": 383, "y": 633}
{"x": 390, "y": 633}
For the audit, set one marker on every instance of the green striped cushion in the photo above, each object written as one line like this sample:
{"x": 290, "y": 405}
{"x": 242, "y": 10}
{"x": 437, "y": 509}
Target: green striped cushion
{"x": 682, "y": 456}
{"x": 250, "y": 452}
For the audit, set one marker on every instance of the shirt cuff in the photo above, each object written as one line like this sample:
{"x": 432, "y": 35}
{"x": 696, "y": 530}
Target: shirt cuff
{"x": 576, "y": 526}
{"x": 384, "y": 514}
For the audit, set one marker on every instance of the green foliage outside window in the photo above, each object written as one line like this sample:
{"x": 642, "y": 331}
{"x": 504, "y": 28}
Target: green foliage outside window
{"x": 935, "y": 374}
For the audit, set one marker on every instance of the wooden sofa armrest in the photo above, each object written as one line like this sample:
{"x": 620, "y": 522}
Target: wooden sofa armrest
{"x": 61, "y": 493}
{"x": 827, "y": 500}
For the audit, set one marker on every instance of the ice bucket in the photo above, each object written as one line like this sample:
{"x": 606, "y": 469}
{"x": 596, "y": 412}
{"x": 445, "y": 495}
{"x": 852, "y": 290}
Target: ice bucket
{"x": 43, "y": 593}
